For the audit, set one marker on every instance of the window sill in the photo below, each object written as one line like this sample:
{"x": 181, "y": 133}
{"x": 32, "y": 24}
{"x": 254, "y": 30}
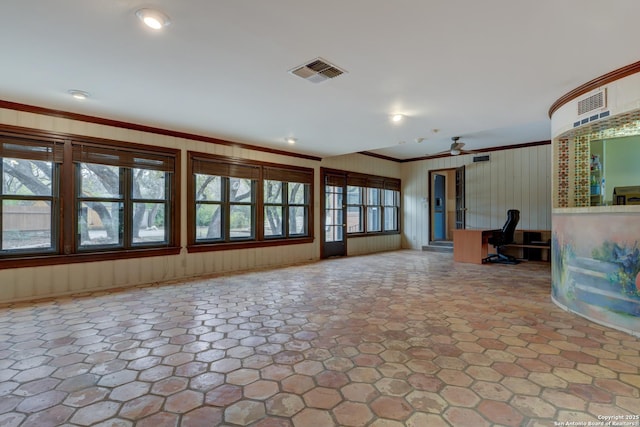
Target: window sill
{"x": 372, "y": 234}
{"x": 207, "y": 247}
{"x": 44, "y": 260}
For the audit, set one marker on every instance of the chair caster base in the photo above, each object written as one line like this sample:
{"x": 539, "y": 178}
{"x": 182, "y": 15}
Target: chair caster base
{"x": 500, "y": 259}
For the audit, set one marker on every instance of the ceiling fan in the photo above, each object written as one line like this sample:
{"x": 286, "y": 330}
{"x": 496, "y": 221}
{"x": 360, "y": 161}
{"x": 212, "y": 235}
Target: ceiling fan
{"x": 455, "y": 149}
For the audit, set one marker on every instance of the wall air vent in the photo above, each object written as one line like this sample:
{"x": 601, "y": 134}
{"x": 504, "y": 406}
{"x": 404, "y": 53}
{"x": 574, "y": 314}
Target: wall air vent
{"x": 593, "y": 102}
{"x": 477, "y": 159}
{"x": 317, "y": 71}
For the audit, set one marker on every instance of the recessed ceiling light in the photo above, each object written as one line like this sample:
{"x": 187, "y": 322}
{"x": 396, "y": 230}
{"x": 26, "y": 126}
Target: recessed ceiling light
{"x": 291, "y": 140}
{"x": 153, "y": 18}
{"x": 396, "y": 118}
{"x": 78, "y": 94}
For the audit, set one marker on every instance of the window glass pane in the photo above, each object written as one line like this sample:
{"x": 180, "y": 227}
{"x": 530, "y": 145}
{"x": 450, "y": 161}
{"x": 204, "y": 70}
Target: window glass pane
{"x": 373, "y": 196}
{"x": 273, "y": 221}
{"x": 297, "y": 193}
{"x": 149, "y": 222}
{"x": 333, "y": 196}
{"x": 390, "y": 218}
{"x": 297, "y": 220}
{"x": 148, "y": 184}
{"x": 354, "y": 195}
{"x": 240, "y": 190}
{"x": 333, "y": 234}
{"x": 100, "y": 223}
{"x": 273, "y": 191}
{"x": 333, "y": 200}
{"x": 373, "y": 218}
{"x": 26, "y": 224}
{"x": 208, "y": 221}
{"x": 99, "y": 180}
{"x": 208, "y": 187}
{"x": 354, "y": 219}
{"x": 334, "y": 217}
{"x": 26, "y": 177}
{"x": 390, "y": 197}
{"x": 241, "y": 221}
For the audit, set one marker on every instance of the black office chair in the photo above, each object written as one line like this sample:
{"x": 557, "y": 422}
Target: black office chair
{"x": 499, "y": 238}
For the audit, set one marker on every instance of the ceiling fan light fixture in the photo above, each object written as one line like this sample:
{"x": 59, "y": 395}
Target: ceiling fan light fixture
{"x": 153, "y": 19}
{"x": 455, "y": 152}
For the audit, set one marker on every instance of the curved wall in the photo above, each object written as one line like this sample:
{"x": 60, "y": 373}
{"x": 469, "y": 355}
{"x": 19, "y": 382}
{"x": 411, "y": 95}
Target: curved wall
{"x": 596, "y": 249}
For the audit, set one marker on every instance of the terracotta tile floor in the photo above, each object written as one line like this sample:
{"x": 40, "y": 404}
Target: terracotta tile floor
{"x": 405, "y": 338}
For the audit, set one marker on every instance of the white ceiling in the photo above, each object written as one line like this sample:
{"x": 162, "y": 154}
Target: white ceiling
{"x": 487, "y": 71}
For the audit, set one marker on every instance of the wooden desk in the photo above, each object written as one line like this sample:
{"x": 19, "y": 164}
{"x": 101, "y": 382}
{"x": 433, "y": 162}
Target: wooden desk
{"x": 531, "y": 245}
{"x": 470, "y": 245}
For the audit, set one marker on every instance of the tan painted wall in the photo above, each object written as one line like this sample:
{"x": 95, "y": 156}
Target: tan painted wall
{"x": 512, "y": 179}
{"x": 36, "y": 282}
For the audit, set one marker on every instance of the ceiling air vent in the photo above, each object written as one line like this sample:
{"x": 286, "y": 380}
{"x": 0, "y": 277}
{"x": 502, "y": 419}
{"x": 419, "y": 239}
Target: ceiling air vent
{"x": 317, "y": 70}
{"x": 593, "y": 102}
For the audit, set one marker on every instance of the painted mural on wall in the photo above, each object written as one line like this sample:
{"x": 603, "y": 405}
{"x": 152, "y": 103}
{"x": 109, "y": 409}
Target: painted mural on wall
{"x": 596, "y": 267}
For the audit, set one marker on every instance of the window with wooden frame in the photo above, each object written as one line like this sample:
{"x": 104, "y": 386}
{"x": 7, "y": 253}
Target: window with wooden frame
{"x": 29, "y": 196}
{"x": 123, "y": 198}
{"x": 287, "y": 202}
{"x": 355, "y": 209}
{"x": 240, "y": 203}
{"x": 224, "y": 196}
{"x": 373, "y": 204}
{"x": 391, "y": 207}
{"x": 71, "y": 199}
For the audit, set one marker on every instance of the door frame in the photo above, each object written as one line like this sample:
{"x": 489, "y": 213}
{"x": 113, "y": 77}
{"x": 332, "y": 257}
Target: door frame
{"x": 461, "y": 207}
{"x": 333, "y": 248}
{"x": 439, "y": 220}
{"x": 460, "y": 210}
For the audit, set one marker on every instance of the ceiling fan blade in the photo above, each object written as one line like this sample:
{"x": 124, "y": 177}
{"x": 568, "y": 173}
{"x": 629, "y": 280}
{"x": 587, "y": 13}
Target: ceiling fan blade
{"x": 455, "y": 149}
{"x": 439, "y": 153}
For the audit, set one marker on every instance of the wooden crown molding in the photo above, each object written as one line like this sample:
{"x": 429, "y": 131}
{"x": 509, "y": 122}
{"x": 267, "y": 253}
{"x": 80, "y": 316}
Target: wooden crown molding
{"x": 416, "y": 159}
{"x": 612, "y": 76}
{"x": 143, "y": 128}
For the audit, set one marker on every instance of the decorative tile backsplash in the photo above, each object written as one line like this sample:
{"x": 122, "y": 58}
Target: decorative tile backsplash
{"x": 581, "y": 195}
{"x": 562, "y": 163}
{"x": 572, "y": 155}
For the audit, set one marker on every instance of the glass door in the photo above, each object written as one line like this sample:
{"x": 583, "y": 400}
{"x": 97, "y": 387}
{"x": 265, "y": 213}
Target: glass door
{"x": 461, "y": 210}
{"x": 334, "y": 227}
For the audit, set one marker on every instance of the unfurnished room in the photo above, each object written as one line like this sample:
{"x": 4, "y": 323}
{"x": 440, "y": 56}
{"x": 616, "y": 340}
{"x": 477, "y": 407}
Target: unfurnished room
{"x": 296, "y": 214}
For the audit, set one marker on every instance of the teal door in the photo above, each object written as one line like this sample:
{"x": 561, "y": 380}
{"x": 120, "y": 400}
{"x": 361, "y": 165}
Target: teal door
{"x": 439, "y": 207}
